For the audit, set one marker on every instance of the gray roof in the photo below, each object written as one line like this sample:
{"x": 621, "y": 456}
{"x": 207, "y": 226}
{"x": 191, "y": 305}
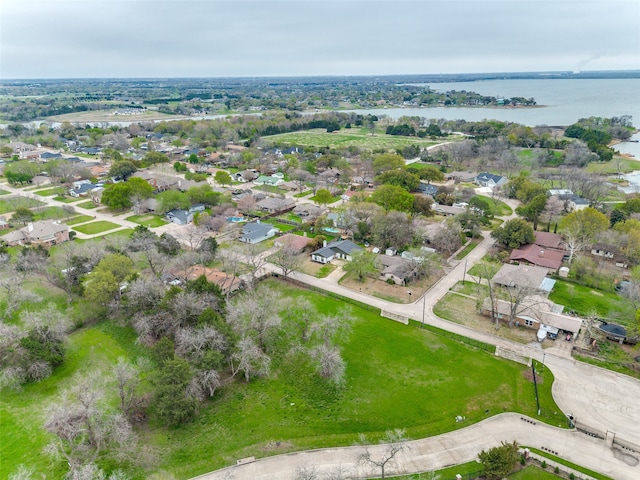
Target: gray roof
{"x": 325, "y": 252}
{"x": 256, "y": 230}
{"x": 520, "y": 275}
{"x": 344, "y": 246}
{"x": 182, "y": 215}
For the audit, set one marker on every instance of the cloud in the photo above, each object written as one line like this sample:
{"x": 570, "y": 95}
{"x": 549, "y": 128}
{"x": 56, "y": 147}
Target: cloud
{"x": 106, "y": 38}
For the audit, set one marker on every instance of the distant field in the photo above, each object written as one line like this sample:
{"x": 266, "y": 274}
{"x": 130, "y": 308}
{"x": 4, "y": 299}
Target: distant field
{"x": 108, "y": 116}
{"x": 96, "y": 227}
{"x": 348, "y": 138}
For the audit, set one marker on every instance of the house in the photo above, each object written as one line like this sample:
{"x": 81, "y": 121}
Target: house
{"x": 573, "y": 202}
{"x": 524, "y": 276}
{"x": 43, "y": 232}
{"x": 490, "y": 180}
{"x": 537, "y": 313}
{"x": 82, "y": 189}
{"x": 268, "y": 180}
{"x": 295, "y": 243}
{"x": 179, "y": 216}
{"x": 461, "y": 176}
{"x": 447, "y": 211}
{"x": 549, "y": 240}
{"x": 341, "y": 249}
{"x": 46, "y": 156}
{"x": 289, "y": 186}
{"x": 397, "y": 269}
{"x": 227, "y": 282}
{"x": 428, "y": 189}
{"x": 309, "y": 211}
{"x": 534, "y": 254}
{"x": 149, "y": 205}
{"x": 256, "y": 232}
{"x": 609, "y": 252}
{"x": 183, "y": 217}
{"x": 275, "y": 205}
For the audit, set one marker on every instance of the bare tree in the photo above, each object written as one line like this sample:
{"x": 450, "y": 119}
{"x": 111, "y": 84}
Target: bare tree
{"x": 256, "y": 313}
{"x": 288, "y": 259}
{"x": 127, "y": 378}
{"x": 306, "y": 473}
{"x": 83, "y": 427}
{"x": 12, "y": 282}
{"x": 144, "y": 294}
{"x": 394, "y": 442}
{"x": 254, "y": 256}
{"x": 517, "y": 296}
{"x": 330, "y": 363}
{"x": 250, "y": 360}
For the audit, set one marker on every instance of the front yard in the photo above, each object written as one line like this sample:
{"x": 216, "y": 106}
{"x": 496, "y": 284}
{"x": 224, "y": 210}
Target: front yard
{"x": 96, "y": 227}
{"x": 148, "y": 220}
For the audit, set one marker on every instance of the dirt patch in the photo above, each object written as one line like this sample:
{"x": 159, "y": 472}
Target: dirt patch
{"x": 273, "y": 446}
{"x": 599, "y": 294}
{"x": 528, "y": 374}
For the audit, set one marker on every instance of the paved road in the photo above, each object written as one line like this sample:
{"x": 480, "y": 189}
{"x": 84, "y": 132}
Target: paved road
{"x": 441, "y": 451}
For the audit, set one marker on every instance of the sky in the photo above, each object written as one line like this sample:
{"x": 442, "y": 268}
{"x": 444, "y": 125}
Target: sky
{"x": 243, "y": 38}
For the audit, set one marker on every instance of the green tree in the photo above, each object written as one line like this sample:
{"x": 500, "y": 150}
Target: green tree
{"x": 362, "y": 263}
{"x": 21, "y": 172}
{"x": 155, "y": 157}
{"x": 123, "y": 169}
{"x": 103, "y": 284}
{"x": 532, "y": 210}
{"x": 428, "y": 173}
{"x": 204, "y": 194}
{"x": 172, "y": 402}
{"x": 514, "y": 233}
{"x": 423, "y": 205}
{"x": 392, "y": 197}
{"x": 139, "y": 191}
{"x": 117, "y": 196}
{"x": 401, "y": 178}
{"x": 323, "y": 196}
{"x": 222, "y": 177}
{"x": 172, "y": 199}
{"x": 23, "y": 215}
{"x": 580, "y": 228}
{"x": 499, "y": 462}
{"x": 387, "y": 161}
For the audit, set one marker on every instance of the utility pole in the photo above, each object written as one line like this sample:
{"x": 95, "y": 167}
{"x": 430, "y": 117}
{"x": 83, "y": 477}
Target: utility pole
{"x": 424, "y": 306}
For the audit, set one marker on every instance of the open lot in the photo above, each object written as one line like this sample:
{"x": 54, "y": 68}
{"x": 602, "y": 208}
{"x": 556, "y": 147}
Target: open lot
{"x": 423, "y": 380}
{"x": 355, "y": 137}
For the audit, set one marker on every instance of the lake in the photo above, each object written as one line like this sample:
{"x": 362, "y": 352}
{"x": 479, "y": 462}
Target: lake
{"x": 565, "y": 101}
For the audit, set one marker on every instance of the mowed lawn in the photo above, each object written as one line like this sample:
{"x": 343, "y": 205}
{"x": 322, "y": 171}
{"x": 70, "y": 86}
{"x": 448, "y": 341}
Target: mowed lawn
{"x": 355, "y": 137}
{"x": 96, "y": 227}
{"x": 150, "y": 221}
{"x": 78, "y": 219}
{"x": 397, "y": 377}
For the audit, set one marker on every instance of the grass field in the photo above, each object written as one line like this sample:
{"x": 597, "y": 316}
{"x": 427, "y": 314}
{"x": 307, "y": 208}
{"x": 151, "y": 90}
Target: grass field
{"x": 533, "y": 473}
{"x": 397, "y": 377}
{"x": 11, "y": 203}
{"x": 96, "y": 227}
{"x": 88, "y": 204}
{"x": 360, "y": 138}
{"x": 585, "y": 301}
{"x": 78, "y": 219}
{"x": 4, "y": 192}
{"x": 625, "y": 165}
{"x": 49, "y": 192}
{"x": 562, "y": 461}
{"x": 150, "y": 221}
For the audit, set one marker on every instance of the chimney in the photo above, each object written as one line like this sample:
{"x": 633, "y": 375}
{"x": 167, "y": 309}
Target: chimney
{"x": 324, "y": 243}
{"x": 541, "y": 253}
{"x": 30, "y": 227}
